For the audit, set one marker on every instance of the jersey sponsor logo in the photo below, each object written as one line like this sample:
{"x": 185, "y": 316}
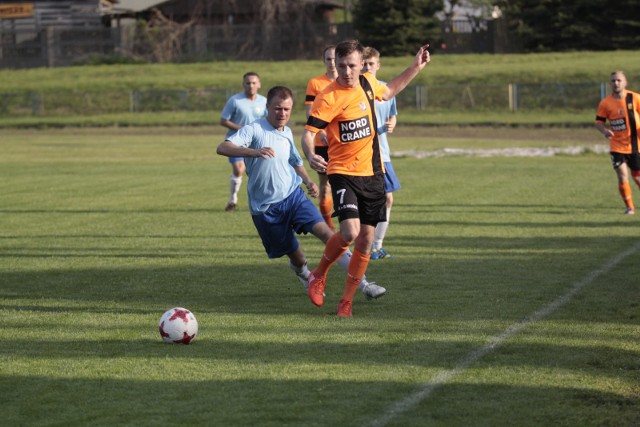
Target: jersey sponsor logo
{"x": 354, "y": 130}
{"x": 348, "y": 206}
{"x": 363, "y": 106}
{"x": 619, "y": 124}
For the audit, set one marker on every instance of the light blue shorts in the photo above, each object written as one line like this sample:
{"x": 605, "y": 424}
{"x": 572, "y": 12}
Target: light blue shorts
{"x": 391, "y": 182}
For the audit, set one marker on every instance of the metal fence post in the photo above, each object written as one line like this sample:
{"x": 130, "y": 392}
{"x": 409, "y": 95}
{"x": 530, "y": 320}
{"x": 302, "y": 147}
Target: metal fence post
{"x": 513, "y": 97}
{"x": 36, "y": 104}
{"x": 51, "y": 47}
{"x": 133, "y": 101}
{"x": 603, "y": 90}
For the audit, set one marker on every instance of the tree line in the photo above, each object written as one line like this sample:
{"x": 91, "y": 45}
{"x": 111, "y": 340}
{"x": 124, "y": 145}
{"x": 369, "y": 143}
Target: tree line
{"x": 398, "y": 26}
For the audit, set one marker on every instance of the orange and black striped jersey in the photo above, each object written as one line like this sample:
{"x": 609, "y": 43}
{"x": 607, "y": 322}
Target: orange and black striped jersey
{"x": 345, "y": 115}
{"x": 314, "y": 87}
{"x": 617, "y": 112}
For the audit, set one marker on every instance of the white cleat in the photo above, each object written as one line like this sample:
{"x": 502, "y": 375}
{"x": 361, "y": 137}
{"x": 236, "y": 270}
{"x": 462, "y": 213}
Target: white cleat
{"x": 373, "y": 291}
{"x": 304, "y": 280}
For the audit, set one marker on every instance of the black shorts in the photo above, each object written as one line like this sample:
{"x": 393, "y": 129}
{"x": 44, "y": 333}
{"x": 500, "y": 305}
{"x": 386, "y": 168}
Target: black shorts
{"x": 322, "y": 150}
{"x": 632, "y": 160}
{"x": 360, "y": 197}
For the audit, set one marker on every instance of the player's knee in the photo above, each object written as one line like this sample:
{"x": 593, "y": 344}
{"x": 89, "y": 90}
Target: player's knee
{"x": 349, "y": 235}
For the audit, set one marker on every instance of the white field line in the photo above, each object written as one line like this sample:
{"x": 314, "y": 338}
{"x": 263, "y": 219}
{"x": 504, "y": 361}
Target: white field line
{"x": 504, "y": 152}
{"x": 444, "y": 376}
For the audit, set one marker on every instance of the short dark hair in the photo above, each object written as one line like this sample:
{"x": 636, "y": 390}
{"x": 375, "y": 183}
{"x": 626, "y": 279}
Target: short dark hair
{"x": 250, "y": 73}
{"x": 347, "y": 47}
{"x": 324, "y": 52}
{"x": 281, "y": 92}
{"x": 370, "y": 52}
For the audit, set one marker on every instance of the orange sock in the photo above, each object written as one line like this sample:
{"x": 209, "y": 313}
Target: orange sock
{"x": 326, "y": 208}
{"x": 625, "y": 192}
{"x": 336, "y": 246}
{"x": 357, "y": 268}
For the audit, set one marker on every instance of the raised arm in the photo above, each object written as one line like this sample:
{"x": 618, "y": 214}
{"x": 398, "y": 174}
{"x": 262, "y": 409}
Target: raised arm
{"x": 396, "y": 85}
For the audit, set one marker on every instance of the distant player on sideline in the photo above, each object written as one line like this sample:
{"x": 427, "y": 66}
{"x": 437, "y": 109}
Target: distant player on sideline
{"x": 241, "y": 109}
{"x": 386, "y": 113}
{"x": 622, "y": 109}
{"x": 346, "y": 111}
{"x": 278, "y": 205}
{"x": 314, "y": 87}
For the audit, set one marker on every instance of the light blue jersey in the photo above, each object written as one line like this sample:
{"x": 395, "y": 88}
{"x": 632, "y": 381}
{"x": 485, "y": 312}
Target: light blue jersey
{"x": 241, "y": 110}
{"x": 274, "y": 179}
{"x": 385, "y": 109}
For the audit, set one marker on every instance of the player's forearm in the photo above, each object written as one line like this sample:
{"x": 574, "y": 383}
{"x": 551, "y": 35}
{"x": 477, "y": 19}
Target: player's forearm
{"x": 307, "y": 144}
{"x": 602, "y": 129}
{"x": 229, "y": 124}
{"x": 302, "y": 173}
{"x": 398, "y": 84}
{"x": 228, "y": 149}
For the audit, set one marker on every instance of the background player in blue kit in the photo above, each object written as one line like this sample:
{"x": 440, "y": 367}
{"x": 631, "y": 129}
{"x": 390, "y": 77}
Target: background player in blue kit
{"x": 241, "y": 109}
{"x": 386, "y": 113}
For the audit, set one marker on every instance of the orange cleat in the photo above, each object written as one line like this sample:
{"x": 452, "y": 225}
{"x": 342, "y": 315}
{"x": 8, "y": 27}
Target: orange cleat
{"x": 316, "y": 289}
{"x": 344, "y": 308}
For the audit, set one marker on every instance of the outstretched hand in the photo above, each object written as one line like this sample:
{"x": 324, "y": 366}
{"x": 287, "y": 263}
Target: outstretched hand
{"x": 423, "y": 57}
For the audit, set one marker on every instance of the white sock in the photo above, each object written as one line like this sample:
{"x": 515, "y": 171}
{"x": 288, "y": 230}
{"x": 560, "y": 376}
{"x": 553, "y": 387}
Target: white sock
{"x": 344, "y": 260}
{"x": 234, "y": 185}
{"x": 300, "y": 271}
{"x": 381, "y": 231}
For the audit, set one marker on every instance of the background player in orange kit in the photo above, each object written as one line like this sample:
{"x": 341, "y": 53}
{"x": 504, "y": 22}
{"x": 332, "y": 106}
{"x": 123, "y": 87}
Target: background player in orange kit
{"x": 622, "y": 110}
{"x": 314, "y": 87}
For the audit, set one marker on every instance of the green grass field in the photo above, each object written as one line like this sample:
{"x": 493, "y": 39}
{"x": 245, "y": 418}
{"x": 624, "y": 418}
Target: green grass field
{"x": 513, "y": 295}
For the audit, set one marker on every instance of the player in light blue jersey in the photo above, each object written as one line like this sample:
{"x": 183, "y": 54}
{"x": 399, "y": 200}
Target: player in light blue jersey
{"x": 241, "y": 109}
{"x": 278, "y": 205}
{"x": 386, "y": 113}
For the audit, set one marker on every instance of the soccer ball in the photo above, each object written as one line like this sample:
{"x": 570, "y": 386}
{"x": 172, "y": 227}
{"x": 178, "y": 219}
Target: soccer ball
{"x": 178, "y": 325}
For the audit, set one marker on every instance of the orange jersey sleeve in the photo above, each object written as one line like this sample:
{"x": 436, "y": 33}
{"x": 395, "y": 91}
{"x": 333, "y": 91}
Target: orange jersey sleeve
{"x": 315, "y": 86}
{"x": 616, "y": 112}
{"x": 345, "y": 115}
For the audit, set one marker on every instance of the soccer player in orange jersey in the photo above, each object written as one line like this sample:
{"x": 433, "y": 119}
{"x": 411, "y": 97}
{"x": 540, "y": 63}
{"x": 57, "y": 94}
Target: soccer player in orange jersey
{"x": 622, "y": 110}
{"x": 345, "y": 110}
{"x": 314, "y": 87}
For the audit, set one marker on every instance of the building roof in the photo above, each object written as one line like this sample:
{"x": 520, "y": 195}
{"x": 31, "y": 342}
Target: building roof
{"x": 133, "y": 6}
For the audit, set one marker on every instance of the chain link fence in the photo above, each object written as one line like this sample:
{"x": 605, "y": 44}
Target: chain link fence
{"x": 508, "y": 97}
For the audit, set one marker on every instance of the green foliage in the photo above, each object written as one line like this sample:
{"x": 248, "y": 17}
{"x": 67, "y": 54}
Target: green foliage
{"x": 103, "y": 230}
{"x": 556, "y": 25}
{"x": 396, "y": 27}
